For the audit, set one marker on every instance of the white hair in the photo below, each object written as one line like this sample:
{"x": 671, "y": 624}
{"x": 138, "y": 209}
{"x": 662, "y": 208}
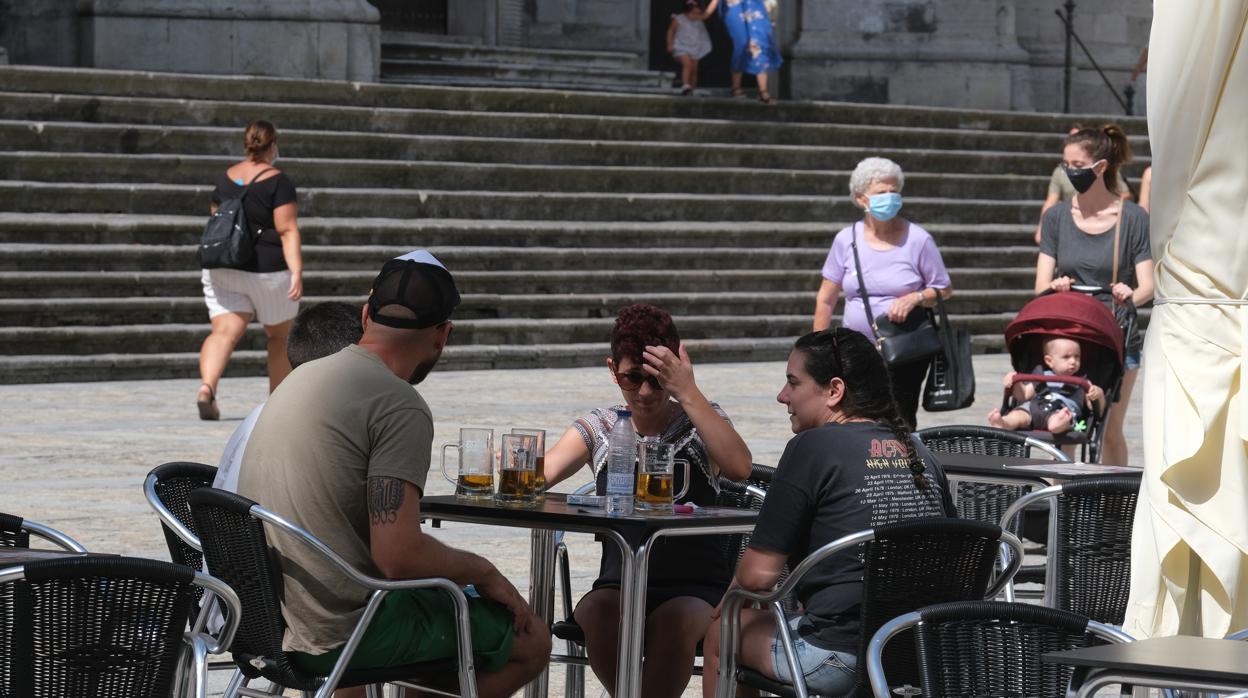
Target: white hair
{"x": 872, "y": 170}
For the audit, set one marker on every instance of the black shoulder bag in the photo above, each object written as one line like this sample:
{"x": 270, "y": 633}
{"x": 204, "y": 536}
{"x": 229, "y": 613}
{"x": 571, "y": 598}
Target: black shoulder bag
{"x": 951, "y": 380}
{"x": 914, "y": 340}
{"x": 227, "y": 242}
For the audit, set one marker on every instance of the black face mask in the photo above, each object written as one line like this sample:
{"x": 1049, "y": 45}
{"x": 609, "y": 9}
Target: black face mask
{"x": 1081, "y": 178}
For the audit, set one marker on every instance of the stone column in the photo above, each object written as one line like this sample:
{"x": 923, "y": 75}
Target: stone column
{"x": 1114, "y": 30}
{"x": 329, "y": 39}
{"x": 43, "y": 32}
{"x": 949, "y": 53}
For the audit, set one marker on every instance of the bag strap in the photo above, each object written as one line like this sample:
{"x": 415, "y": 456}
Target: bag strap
{"x": 253, "y": 180}
{"x": 862, "y": 286}
{"x": 1122, "y": 207}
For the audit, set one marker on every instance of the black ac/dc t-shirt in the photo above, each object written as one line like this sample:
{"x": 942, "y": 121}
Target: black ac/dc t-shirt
{"x": 264, "y": 196}
{"x": 832, "y": 481}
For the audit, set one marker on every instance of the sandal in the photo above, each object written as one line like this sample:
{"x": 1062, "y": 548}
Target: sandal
{"x": 737, "y": 92}
{"x": 207, "y": 408}
{"x": 766, "y": 98}
{"x": 686, "y": 91}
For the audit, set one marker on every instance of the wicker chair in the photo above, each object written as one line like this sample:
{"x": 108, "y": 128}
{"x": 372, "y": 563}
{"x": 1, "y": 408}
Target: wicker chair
{"x": 1089, "y": 564}
{"x": 165, "y": 489}
{"x": 232, "y": 534}
{"x": 84, "y": 627}
{"x": 987, "y": 648}
{"x": 907, "y": 565}
{"x": 743, "y": 495}
{"x": 15, "y": 532}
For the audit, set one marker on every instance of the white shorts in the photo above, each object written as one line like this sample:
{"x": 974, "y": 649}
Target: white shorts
{"x": 261, "y": 295}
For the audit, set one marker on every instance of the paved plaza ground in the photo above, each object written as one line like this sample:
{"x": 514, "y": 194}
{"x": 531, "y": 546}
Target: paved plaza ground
{"x": 74, "y": 456}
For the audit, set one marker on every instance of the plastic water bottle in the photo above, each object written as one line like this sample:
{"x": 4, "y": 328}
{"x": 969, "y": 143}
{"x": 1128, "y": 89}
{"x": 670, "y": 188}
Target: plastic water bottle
{"x": 621, "y": 465}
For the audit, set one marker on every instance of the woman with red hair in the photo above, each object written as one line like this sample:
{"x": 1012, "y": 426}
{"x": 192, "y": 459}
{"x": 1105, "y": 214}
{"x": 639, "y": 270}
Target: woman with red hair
{"x": 687, "y": 575}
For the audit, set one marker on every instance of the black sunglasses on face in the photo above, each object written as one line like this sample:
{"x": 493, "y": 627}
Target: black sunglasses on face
{"x": 633, "y": 379}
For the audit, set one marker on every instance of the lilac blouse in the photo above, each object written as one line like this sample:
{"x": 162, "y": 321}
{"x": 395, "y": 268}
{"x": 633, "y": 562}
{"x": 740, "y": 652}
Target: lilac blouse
{"x": 913, "y": 265}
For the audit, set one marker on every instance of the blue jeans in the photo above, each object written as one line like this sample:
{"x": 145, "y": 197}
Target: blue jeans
{"x": 827, "y": 672}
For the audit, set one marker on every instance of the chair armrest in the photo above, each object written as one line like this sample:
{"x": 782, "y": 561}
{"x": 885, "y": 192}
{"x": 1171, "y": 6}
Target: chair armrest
{"x": 166, "y": 517}
{"x": 53, "y": 536}
{"x": 215, "y": 589}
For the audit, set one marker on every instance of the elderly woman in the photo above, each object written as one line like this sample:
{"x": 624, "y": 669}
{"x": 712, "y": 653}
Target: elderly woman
{"x": 901, "y": 268}
{"x": 688, "y": 575}
{"x": 829, "y": 483}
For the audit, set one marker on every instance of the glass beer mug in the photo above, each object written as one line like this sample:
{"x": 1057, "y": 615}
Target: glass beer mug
{"x": 476, "y": 463}
{"x": 517, "y": 475}
{"x": 539, "y": 451}
{"x": 655, "y": 465}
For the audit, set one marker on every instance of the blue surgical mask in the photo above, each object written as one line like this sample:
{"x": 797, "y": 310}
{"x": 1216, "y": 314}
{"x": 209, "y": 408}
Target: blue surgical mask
{"x": 883, "y": 207}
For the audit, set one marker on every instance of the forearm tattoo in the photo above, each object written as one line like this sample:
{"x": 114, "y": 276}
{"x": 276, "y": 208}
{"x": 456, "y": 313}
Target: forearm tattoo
{"x": 385, "y": 497}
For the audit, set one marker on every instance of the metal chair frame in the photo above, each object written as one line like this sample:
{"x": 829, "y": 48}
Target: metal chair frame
{"x": 52, "y": 536}
{"x": 875, "y": 649}
{"x": 1053, "y": 492}
{"x": 730, "y": 615}
{"x": 199, "y": 644}
{"x": 379, "y": 588}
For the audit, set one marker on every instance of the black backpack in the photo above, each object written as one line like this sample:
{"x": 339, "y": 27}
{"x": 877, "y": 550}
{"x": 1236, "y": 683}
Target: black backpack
{"x": 227, "y": 242}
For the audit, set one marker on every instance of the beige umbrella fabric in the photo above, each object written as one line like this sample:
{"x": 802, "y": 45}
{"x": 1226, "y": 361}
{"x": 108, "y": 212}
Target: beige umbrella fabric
{"x": 1190, "y": 549}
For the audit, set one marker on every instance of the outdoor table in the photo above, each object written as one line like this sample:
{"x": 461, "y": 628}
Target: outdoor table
{"x": 634, "y": 535}
{"x": 1018, "y": 471}
{"x": 1189, "y": 663}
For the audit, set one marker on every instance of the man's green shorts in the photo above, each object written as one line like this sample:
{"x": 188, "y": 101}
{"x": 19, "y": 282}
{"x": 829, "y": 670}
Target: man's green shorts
{"x": 418, "y": 625}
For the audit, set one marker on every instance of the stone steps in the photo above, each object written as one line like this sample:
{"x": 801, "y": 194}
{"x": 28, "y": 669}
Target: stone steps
{"x": 262, "y": 90}
{"x": 67, "y": 312}
{"x": 553, "y": 208}
{"x": 405, "y": 45}
{"x": 486, "y": 73}
{"x": 157, "y": 258}
{"x": 322, "y": 172}
{"x": 661, "y": 128}
{"x": 50, "y": 197}
{"x": 54, "y": 284}
{"x": 79, "y": 228}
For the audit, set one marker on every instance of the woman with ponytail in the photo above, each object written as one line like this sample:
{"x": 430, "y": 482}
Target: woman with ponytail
{"x": 852, "y": 465}
{"x": 1077, "y": 248}
{"x": 269, "y": 286}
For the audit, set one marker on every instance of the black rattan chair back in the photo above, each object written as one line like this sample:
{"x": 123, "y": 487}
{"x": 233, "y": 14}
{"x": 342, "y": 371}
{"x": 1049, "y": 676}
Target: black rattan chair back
{"x": 736, "y": 494}
{"x": 1092, "y": 549}
{"x": 12, "y": 535}
{"x": 988, "y": 648}
{"x": 918, "y": 563}
{"x": 173, "y": 482}
{"x": 981, "y": 501}
{"x": 238, "y": 554}
{"x": 94, "y": 626}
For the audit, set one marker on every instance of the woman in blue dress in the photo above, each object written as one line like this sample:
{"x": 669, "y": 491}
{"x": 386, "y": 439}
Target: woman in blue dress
{"x": 754, "y": 48}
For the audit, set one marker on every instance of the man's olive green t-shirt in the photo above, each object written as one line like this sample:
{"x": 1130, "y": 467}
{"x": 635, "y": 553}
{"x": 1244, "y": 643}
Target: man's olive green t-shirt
{"x": 331, "y": 425}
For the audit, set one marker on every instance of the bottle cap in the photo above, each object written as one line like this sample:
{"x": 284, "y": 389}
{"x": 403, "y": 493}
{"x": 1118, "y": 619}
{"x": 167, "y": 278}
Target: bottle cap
{"x": 624, "y": 413}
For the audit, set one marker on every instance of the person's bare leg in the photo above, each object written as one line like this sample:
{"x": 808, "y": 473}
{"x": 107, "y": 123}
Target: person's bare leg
{"x": 736, "y": 85}
{"x": 598, "y": 614}
{"x": 1060, "y": 421}
{"x": 763, "y": 94}
{"x": 688, "y": 71}
{"x": 278, "y": 362}
{"x": 1012, "y": 420}
{"x": 758, "y": 629}
{"x": 672, "y": 634}
{"x": 693, "y": 72}
{"x": 353, "y": 692}
{"x": 214, "y": 353}
{"x": 1114, "y": 451}
{"x": 530, "y": 653}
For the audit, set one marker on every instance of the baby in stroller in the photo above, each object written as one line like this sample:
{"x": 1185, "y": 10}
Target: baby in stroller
{"x": 1056, "y": 407}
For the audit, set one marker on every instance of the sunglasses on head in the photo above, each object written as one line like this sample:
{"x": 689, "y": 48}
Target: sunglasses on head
{"x": 633, "y": 379}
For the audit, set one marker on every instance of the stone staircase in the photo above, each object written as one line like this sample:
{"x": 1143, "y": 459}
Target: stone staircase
{"x": 553, "y": 209}
{"x": 408, "y": 58}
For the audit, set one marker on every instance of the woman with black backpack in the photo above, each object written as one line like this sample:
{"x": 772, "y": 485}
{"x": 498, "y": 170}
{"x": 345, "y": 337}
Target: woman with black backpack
{"x": 265, "y": 284}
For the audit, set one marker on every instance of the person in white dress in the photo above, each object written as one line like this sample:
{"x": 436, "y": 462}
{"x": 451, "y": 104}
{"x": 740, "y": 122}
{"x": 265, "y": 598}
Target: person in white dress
{"x": 688, "y": 41}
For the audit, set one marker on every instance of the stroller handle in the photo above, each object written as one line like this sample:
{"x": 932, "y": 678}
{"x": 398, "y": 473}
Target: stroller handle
{"x": 1039, "y": 378}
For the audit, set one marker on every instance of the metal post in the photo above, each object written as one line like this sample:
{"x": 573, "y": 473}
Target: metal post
{"x": 1129, "y": 94}
{"x": 1070, "y": 28}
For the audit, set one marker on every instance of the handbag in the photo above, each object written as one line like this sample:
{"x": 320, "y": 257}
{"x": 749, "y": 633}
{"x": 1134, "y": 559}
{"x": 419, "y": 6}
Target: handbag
{"x": 951, "y": 380}
{"x": 227, "y": 241}
{"x": 914, "y": 340}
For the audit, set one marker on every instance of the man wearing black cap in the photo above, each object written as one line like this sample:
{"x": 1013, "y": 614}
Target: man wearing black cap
{"x": 342, "y": 449}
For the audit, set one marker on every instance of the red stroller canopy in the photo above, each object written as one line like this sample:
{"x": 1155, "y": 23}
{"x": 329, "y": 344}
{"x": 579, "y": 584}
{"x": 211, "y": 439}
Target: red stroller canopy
{"x": 1072, "y": 315}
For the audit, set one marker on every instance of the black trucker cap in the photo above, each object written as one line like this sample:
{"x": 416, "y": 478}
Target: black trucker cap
{"x": 419, "y": 282}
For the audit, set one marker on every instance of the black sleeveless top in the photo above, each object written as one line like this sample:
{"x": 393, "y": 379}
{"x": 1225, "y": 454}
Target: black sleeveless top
{"x": 264, "y": 196}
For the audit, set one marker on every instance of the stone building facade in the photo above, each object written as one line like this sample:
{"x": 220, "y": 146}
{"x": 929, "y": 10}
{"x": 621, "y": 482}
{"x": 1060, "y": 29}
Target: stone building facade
{"x": 986, "y": 54}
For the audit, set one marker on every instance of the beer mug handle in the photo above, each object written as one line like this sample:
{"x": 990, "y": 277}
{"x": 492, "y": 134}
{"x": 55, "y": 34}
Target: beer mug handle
{"x": 445, "y": 474}
{"x": 683, "y": 490}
